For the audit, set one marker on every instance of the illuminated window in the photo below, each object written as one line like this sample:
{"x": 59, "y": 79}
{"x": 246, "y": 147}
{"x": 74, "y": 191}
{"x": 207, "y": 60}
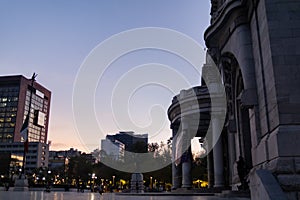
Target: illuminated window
{"x": 9, "y": 136}
{"x": 2, "y": 104}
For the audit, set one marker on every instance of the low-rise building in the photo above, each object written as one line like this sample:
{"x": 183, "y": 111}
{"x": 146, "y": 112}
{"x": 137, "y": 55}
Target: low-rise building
{"x": 37, "y": 155}
{"x": 60, "y": 158}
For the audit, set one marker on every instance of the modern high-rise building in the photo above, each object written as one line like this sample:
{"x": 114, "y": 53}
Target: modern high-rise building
{"x": 15, "y": 94}
{"x": 131, "y": 140}
{"x": 115, "y": 149}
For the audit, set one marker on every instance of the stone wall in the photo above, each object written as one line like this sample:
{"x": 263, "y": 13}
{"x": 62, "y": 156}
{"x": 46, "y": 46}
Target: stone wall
{"x": 264, "y": 36}
{"x": 279, "y": 28}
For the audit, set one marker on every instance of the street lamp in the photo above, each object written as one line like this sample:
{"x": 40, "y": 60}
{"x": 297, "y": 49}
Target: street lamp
{"x": 93, "y": 176}
{"x": 113, "y": 183}
{"x": 151, "y": 186}
{"x": 49, "y": 176}
{"x": 93, "y": 185}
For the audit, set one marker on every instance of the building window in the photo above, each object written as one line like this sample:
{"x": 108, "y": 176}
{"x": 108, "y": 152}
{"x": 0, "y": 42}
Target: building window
{"x": 8, "y": 112}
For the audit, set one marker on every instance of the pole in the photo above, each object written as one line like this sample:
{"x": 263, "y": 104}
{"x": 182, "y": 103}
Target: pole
{"x": 28, "y": 115}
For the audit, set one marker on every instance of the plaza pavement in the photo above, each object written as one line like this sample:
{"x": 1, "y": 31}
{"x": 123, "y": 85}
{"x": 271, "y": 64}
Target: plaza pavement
{"x": 54, "y": 195}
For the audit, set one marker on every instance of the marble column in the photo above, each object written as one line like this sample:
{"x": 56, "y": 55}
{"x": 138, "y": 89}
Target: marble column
{"x": 231, "y": 152}
{"x": 176, "y": 170}
{"x": 209, "y": 157}
{"x": 210, "y": 170}
{"x": 186, "y": 159}
{"x": 217, "y": 152}
{"x": 187, "y": 169}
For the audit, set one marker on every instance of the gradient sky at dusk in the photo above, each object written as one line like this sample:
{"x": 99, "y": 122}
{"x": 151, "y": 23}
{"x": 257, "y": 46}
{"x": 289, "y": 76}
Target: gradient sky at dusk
{"x": 52, "y": 38}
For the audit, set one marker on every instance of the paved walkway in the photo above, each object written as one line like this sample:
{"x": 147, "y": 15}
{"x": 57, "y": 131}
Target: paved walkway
{"x": 38, "y": 195}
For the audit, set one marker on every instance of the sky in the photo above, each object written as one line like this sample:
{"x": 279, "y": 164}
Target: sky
{"x": 54, "y": 39}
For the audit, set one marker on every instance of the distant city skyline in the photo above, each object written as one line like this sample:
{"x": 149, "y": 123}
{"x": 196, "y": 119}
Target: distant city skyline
{"x": 53, "y": 38}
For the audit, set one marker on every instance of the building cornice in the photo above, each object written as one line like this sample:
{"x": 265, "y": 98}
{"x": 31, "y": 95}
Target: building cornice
{"x": 232, "y": 15}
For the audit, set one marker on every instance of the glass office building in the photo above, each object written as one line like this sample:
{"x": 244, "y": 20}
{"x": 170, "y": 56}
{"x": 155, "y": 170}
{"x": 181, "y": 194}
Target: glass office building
{"x": 15, "y": 94}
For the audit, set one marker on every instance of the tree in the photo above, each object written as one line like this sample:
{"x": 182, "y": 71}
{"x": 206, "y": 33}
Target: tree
{"x": 153, "y": 147}
{"x": 199, "y": 168}
{"x": 162, "y": 154}
{"x": 80, "y": 167}
{"x": 159, "y": 154}
{"x": 5, "y": 162}
{"x": 139, "y": 147}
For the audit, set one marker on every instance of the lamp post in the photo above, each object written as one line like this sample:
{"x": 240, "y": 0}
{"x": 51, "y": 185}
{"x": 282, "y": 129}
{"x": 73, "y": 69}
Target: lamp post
{"x": 48, "y": 181}
{"x": 151, "y": 186}
{"x": 49, "y": 176}
{"x": 113, "y": 183}
{"x": 93, "y": 183}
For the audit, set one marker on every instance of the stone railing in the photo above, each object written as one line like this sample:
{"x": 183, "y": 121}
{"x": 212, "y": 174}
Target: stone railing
{"x": 194, "y": 105}
{"x": 190, "y": 93}
{"x": 191, "y": 100}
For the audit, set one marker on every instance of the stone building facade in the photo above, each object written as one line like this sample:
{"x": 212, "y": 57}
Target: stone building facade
{"x": 255, "y": 46}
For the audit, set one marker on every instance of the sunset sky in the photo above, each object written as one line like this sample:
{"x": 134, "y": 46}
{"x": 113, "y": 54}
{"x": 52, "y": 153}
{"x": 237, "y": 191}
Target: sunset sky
{"x": 53, "y": 38}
